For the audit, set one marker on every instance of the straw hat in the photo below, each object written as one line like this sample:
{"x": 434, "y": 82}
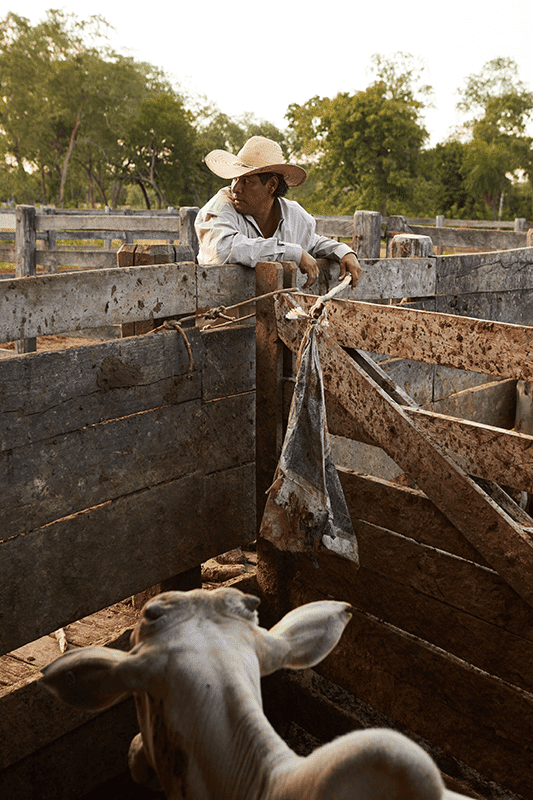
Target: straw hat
{"x": 258, "y": 155}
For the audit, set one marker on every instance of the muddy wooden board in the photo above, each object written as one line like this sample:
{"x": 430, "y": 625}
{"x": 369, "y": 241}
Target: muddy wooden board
{"x": 479, "y": 345}
{"x": 502, "y": 542}
{"x": 147, "y": 537}
{"x": 48, "y": 304}
{"x": 404, "y": 510}
{"x": 93, "y": 465}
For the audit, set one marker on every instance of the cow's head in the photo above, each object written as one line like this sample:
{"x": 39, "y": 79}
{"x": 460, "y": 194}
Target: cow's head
{"x": 194, "y": 629}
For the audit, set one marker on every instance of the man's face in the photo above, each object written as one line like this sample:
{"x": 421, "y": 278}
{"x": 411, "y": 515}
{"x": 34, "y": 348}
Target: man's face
{"x": 250, "y": 196}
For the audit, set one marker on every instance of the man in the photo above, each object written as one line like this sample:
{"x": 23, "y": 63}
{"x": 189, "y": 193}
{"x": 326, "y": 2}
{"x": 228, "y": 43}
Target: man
{"x": 251, "y": 220}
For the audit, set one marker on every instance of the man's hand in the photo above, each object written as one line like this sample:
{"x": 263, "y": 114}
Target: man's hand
{"x": 309, "y": 267}
{"x": 349, "y": 263}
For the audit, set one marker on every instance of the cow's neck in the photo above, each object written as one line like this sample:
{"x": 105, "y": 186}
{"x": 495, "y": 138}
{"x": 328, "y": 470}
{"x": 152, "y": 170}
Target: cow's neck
{"x": 234, "y": 751}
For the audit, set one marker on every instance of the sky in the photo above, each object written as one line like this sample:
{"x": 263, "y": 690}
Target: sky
{"x": 260, "y": 57}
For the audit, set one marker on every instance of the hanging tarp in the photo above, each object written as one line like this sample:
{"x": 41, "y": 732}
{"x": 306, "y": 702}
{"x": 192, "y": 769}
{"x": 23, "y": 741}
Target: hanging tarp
{"x": 306, "y": 485}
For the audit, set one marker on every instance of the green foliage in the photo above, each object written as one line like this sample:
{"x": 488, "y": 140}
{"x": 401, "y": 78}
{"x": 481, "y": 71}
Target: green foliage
{"x": 365, "y": 146}
{"x": 82, "y": 125}
{"x": 498, "y": 148}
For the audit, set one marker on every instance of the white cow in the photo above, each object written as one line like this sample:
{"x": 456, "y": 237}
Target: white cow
{"x": 195, "y": 671}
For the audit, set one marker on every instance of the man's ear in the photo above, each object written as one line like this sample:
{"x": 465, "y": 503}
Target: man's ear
{"x": 304, "y": 636}
{"x": 274, "y": 183}
{"x": 94, "y": 678}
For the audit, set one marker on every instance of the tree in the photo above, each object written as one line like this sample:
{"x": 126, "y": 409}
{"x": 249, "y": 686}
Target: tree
{"x": 366, "y": 145}
{"x": 500, "y": 106}
{"x": 159, "y": 151}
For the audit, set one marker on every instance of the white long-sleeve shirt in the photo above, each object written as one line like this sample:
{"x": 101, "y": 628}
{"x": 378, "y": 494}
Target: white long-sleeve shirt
{"x": 228, "y": 237}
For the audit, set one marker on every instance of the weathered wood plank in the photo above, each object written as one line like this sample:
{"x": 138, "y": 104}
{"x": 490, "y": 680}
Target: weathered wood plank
{"x": 48, "y": 304}
{"x": 503, "y": 543}
{"x": 479, "y": 449}
{"x": 491, "y": 403}
{"x": 485, "y": 451}
{"x": 478, "y": 239}
{"x": 404, "y": 510}
{"x": 382, "y": 279}
{"x": 456, "y": 582}
{"x": 50, "y": 393}
{"x": 269, "y": 383}
{"x": 229, "y": 361}
{"x": 416, "y": 588}
{"x": 46, "y": 480}
{"x": 501, "y": 271}
{"x": 107, "y": 222}
{"x": 147, "y": 537}
{"x": 474, "y": 716}
{"x": 30, "y": 719}
{"x": 225, "y": 285}
{"x": 479, "y": 345}
{"x": 515, "y": 306}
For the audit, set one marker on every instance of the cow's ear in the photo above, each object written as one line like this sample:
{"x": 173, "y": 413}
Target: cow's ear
{"x": 92, "y": 678}
{"x": 305, "y": 635}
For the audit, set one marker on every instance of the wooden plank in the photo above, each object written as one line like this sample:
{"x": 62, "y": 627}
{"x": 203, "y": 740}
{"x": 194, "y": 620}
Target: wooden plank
{"x": 415, "y": 588}
{"x": 474, "y": 716}
{"x": 106, "y": 222}
{"x": 335, "y": 226}
{"x": 478, "y": 239}
{"x": 50, "y": 393}
{"x": 86, "y": 758}
{"x": 269, "y": 383}
{"x": 492, "y": 403}
{"x": 229, "y": 361}
{"x": 46, "y": 480}
{"x": 502, "y": 542}
{"x": 501, "y": 271}
{"x": 455, "y": 582}
{"x": 148, "y": 536}
{"x": 482, "y": 450}
{"x": 479, "y": 345}
{"x": 514, "y": 306}
{"x": 49, "y": 304}
{"x": 85, "y": 259}
{"x": 224, "y": 285}
{"x": 30, "y": 718}
{"x": 404, "y": 510}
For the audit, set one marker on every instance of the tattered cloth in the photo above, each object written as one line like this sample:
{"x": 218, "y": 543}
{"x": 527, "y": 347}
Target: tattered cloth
{"x": 306, "y": 483}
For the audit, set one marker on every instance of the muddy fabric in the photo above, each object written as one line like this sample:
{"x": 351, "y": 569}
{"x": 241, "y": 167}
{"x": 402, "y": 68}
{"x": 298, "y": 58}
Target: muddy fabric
{"x": 306, "y": 482}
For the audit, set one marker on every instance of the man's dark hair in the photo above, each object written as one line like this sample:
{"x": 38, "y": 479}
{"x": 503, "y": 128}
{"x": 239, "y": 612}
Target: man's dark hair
{"x": 281, "y": 189}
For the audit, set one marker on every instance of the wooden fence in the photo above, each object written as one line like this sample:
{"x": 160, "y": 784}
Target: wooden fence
{"x": 442, "y": 636}
{"x": 124, "y": 463}
{"x": 32, "y": 238}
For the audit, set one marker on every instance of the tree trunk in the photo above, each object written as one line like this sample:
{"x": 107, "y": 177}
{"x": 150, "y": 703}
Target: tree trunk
{"x": 140, "y": 184}
{"x": 67, "y": 157}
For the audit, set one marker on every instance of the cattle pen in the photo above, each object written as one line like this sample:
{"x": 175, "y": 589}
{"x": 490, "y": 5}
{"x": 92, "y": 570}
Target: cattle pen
{"x": 131, "y": 460}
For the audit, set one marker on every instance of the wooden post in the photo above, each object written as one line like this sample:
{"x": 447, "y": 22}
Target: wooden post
{"x": 520, "y": 224}
{"x": 411, "y": 245}
{"x": 50, "y": 243}
{"x": 367, "y": 234}
{"x": 187, "y": 232}
{"x": 439, "y": 223}
{"x": 529, "y": 238}
{"x": 25, "y": 264}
